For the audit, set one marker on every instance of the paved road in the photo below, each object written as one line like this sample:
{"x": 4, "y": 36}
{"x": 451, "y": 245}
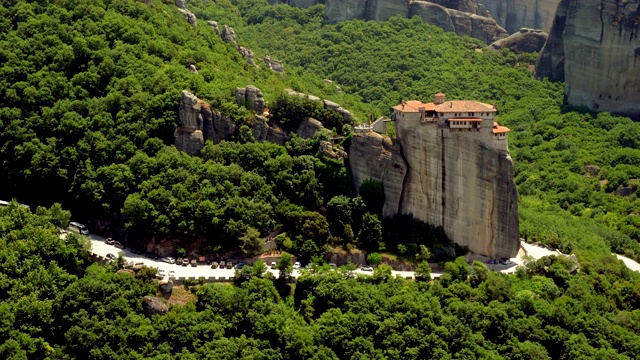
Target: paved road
{"x": 100, "y": 247}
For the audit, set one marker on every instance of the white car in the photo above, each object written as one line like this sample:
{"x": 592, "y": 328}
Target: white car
{"x": 161, "y": 273}
{"x": 168, "y": 260}
{"x": 172, "y": 274}
{"x": 297, "y": 265}
{"x": 366, "y": 268}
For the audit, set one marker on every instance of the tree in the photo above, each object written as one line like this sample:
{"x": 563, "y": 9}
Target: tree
{"x": 382, "y": 273}
{"x": 374, "y": 258}
{"x": 370, "y": 232}
{"x": 424, "y": 253}
{"x": 285, "y": 265}
{"x": 251, "y": 242}
{"x": 423, "y": 271}
{"x": 479, "y": 273}
{"x": 458, "y": 269}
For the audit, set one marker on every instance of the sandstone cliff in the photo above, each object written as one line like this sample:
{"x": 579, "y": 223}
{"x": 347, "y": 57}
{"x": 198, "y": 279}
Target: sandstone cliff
{"x": 516, "y": 14}
{"x": 601, "y": 50}
{"x": 460, "y": 22}
{"x": 448, "y": 179}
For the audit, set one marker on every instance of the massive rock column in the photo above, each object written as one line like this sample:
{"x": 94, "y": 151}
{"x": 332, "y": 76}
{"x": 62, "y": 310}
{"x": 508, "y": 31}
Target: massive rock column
{"x": 456, "y": 180}
{"x": 601, "y": 54}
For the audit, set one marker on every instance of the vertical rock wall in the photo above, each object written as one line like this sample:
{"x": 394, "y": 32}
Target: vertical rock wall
{"x": 516, "y": 14}
{"x": 449, "y": 179}
{"x": 600, "y": 49}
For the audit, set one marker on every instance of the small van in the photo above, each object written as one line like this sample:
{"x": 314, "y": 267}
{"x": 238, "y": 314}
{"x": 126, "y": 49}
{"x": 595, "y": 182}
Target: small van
{"x": 77, "y": 227}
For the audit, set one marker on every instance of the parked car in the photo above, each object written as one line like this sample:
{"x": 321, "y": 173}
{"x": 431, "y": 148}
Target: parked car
{"x": 110, "y": 241}
{"x": 153, "y": 256}
{"x": 297, "y": 265}
{"x": 229, "y": 265}
{"x": 172, "y": 274}
{"x": 492, "y": 261}
{"x": 366, "y": 268}
{"x": 223, "y": 264}
{"x": 111, "y": 256}
{"x": 194, "y": 262}
{"x": 136, "y": 251}
{"x": 240, "y": 265}
{"x": 333, "y": 265}
{"x": 273, "y": 264}
{"x": 214, "y": 265}
{"x": 506, "y": 262}
{"x": 185, "y": 262}
{"x": 179, "y": 261}
{"x": 79, "y": 228}
{"x": 118, "y": 245}
{"x": 169, "y": 260}
{"x": 161, "y": 273}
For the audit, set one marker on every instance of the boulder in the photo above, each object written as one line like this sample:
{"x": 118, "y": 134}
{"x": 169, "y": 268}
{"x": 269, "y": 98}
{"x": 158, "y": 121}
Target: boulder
{"x": 625, "y": 191}
{"x": 153, "y": 306}
{"x": 329, "y": 150}
{"x": 274, "y": 65}
{"x": 525, "y": 40}
{"x": 247, "y": 54}
{"x": 189, "y": 16}
{"x": 592, "y": 170}
{"x": 181, "y": 4}
{"x": 215, "y": 27}
{"x": 308, "y": 128}
{"x": 193, "y": 69}
{"x": 228, "y": 35}
{"x": 166, "y": 286}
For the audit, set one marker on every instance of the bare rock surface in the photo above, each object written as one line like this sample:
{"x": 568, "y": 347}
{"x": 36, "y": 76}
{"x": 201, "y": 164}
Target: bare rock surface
{"x": 228, "y": 35}
{"x": 308, "y": 127}
{"x": 153, "y": 306}
{"x": 515, "y": 14}
{"x": 214, "y": 26}
{"x": 273, "y": 64}
{"x": 251, "y": 98}
{"x": 189, "y": 16}
{"x": 525, "y": 40}
{"x": 597, "y": 46}
{"x": 448, "y": 179}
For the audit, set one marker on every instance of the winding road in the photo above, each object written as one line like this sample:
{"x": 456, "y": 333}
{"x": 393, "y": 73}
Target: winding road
{"x": 101, "y": 248}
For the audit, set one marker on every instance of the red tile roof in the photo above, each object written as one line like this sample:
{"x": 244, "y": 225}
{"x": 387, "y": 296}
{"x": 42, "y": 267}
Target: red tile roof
{"x": 414, "y": 106}
{"x": 497, "y": 129}
{"x": 464, "y": 106}
{"x": 446, "y": 107}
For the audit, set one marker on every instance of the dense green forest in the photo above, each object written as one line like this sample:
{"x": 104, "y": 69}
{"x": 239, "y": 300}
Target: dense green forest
{"x": 55, "y": 304}
{"x": 89, "y": 95}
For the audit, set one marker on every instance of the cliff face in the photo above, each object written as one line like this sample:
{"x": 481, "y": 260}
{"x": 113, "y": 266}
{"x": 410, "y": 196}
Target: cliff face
{"x": 525, "y": 40}
{"x": 449, "y": 179}
{"x": 601, "y": 54}
{"x": 516, "y": 14}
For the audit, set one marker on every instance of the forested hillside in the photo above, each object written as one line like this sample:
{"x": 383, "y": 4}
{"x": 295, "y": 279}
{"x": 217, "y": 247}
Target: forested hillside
{"x": 54, "y": 305}
{"x": 89, "y": 95}
{"x": 569, "y": 162}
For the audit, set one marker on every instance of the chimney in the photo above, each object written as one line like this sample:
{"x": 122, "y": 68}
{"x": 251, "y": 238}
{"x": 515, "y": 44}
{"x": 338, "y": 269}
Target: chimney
{"x": 439, "y": 98}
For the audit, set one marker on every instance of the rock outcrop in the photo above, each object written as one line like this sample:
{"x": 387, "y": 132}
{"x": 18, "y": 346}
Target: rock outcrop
{"x": 460, "y": 22}
{"x": 214, "y": 26}
{"x": 273, "y": 64}
{"x": 327, "y": 104}
{"x": 525, "y": 40}
{"x": 189, "y": 16}
{"x": 228, "y": 35}
{"x": 308, "y": 128}
{"x": 188, "y": 136}
{"x": 251, "y": 98}
{"x": 597, "y": 45}
{"x": 153, "y": 306}
{"x": 457, "y": 180}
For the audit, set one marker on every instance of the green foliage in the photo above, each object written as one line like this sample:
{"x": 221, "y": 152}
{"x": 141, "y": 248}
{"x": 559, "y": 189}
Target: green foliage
{"x": 374, "y": 258}
{"x": 251, "y": 242}
{"x": 423, "y": 271}
{"x": 372, "y": 193}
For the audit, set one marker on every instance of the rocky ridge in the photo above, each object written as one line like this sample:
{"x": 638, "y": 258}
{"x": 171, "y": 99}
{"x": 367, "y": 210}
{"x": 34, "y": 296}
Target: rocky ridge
{"x": 199, "y": 122}
{"x": 594, "y": 48}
